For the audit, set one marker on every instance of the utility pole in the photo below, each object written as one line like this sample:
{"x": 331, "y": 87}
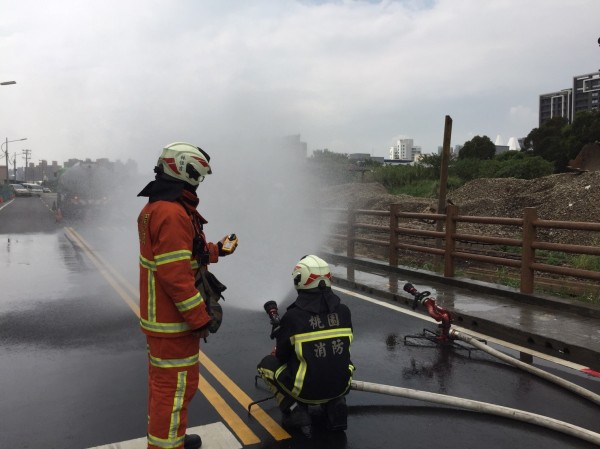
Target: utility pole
{"x": 6, "y": 83}
{"x": 5, "y": 150}
{"x": 15, "y": 167}
{"x": 27, "y": 154}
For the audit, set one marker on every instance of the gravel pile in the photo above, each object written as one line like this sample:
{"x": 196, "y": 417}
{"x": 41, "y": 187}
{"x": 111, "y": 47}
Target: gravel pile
{"x": 562, "y": 197}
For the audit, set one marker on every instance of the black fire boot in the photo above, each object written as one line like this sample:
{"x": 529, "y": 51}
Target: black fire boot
{"x": 192, "y": 442}
{"x": 336, "y": 412}
{"x": 297, "y": 416}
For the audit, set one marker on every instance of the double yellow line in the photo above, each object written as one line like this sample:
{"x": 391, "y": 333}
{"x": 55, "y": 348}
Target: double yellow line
{"x": 130, "y": 296}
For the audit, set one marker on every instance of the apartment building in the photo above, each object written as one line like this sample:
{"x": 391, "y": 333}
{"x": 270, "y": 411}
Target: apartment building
{"x": 582, "y": 96}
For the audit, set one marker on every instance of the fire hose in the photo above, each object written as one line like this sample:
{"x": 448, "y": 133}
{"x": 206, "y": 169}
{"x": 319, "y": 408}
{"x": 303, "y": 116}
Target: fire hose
{"x": 447, "y": 334}
{"x": 529, "y": 368}
{"x": 477, "y": 406}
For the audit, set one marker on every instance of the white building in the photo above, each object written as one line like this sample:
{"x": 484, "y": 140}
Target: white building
{"x": 404, "y": 150}
{"x": 512, "y": 145}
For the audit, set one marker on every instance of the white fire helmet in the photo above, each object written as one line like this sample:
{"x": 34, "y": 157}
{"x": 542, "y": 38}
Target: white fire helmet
{"x": 310, "y": 271}
{"x": 185, "y": 162}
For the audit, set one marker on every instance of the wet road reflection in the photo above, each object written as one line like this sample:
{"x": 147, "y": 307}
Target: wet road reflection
{"x": 73, "y": 364}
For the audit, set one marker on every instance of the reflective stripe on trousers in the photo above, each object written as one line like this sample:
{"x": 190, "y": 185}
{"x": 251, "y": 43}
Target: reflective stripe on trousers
{"x": 172, "y": 383}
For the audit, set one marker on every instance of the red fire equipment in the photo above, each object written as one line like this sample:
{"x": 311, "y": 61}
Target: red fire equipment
{"x": 436, "y": 312}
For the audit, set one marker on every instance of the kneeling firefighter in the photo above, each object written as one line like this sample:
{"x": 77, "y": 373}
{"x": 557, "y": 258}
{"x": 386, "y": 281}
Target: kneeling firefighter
{"x": 310, "y": 364}
{"x": 178, "y": 295}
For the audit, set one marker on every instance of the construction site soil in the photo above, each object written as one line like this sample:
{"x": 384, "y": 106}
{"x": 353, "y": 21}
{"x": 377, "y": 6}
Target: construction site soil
{"x": 561, "y": 197}
{"x": 573, "y": 197}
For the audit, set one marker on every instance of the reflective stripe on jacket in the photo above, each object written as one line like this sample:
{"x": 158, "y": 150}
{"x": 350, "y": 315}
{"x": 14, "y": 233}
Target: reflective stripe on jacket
{"x": 170, "y": 304}
{"x": 314, "y": 349}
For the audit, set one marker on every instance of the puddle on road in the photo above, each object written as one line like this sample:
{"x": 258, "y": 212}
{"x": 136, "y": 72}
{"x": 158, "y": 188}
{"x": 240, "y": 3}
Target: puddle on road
{"x": 37, "y": 266}
{"x": 47, "y": 288}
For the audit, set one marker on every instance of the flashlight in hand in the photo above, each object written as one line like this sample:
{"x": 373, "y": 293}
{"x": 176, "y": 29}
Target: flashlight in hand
{"x": 273, "y": 312}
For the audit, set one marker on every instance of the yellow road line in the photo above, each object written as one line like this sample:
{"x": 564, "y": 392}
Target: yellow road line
{"x": 261, "y": 416}
{"x": 103, "y": 267}
{"x": 235, "y": 422}
{"x": 123, "y": 288}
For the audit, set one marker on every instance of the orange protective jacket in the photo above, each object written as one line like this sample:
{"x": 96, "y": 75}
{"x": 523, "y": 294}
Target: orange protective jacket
{"x": 170, "y": 304}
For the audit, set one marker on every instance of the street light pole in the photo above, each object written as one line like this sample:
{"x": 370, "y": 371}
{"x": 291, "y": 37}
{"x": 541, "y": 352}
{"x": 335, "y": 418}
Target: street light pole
{"x": 6, "y": 83}
{"x": 6, "y": 154}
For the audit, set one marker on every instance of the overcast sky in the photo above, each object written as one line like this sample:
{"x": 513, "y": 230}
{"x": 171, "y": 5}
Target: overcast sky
{"x": 120, "y": 79}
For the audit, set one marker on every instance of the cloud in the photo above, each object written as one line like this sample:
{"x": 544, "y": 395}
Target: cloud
{"x": 120, "y": 79}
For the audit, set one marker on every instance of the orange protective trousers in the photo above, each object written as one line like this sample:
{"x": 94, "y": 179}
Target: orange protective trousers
{"x": 172, "y": 382}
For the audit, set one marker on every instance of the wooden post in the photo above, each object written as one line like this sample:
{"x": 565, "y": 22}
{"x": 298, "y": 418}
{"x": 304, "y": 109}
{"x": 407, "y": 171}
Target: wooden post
{"x": 451, "y": 212}
{"x": 444, "y": 168}
{"x": 350, "y": 232}
{"x": 443, "y": 182}
{"x": 393, "y": 250}
{"x": 528, "y": 252}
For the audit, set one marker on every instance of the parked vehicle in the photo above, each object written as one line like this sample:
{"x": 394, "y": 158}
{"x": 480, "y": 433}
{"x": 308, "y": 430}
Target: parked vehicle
{"x": 20, "y": 190}
{"x": 34, "y": 189}
{"x": 84, "y": 190}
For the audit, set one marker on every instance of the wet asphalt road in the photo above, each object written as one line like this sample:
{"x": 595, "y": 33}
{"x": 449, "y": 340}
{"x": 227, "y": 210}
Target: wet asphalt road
{"x": 73, "y": 363}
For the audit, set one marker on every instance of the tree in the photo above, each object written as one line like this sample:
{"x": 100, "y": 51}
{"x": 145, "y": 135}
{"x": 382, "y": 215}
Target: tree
{"x": 467, "y": 169}
{"x": 584, "y": 129}
{"x": 434, "y": 163}
{"x": 478, "y": 148}
{"x": 331, "y": 167}
{"x": 547, "y": 140}
{"x": 558, "y": 141}
{"x": 524, "y": 167}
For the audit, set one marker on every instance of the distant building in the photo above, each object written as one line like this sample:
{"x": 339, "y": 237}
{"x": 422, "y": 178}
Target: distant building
{"x": 585, "y": 92}
{"x": 582, "y": 96}
{"x": 294, "y": 144}
{"x": 404, "y": 150}
{"x": 363, "y": 157}
{"x": 514, "y": 144}
{"x": 453, "y": 150}
{"x": 359, "y": 157}
{"x": 555, "y": 104}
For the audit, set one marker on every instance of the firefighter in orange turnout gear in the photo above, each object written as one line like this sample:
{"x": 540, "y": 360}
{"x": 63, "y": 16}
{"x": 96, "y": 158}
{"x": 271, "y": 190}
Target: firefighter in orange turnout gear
{"x": 173, "y": 312}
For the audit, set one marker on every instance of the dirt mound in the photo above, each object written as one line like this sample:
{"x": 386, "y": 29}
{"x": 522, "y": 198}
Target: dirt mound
{"x": 562, "y": 197}
{"x": 371, "y": 196}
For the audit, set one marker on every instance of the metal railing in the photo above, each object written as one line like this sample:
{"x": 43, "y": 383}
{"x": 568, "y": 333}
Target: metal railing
{"x": 452, "y": 246}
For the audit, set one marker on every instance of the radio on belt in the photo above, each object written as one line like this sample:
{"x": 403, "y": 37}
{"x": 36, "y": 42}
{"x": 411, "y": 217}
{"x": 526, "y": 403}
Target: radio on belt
{"x": 230, "y": 243}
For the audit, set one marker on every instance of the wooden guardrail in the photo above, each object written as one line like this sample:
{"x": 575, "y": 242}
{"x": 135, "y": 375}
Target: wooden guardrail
{"x": 452, "y": 245}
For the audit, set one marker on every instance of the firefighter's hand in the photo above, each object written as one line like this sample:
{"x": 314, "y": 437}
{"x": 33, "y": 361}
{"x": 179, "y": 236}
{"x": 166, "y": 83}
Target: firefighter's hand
{"x": 202, "y": 332}
{"x": 227, "y": 245}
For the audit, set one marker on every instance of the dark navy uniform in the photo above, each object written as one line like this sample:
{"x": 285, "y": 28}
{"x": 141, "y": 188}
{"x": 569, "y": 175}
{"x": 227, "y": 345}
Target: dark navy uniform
{"x": 312, "y": 360}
